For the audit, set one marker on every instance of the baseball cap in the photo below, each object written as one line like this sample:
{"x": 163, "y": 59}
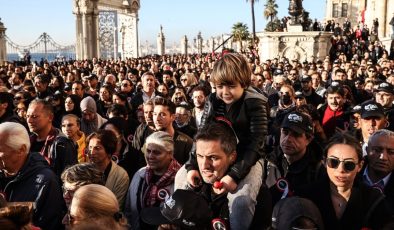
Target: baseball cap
{"x": 356, "y": 109}
{"x": 91, "y": 76}
{"x": 371, "y": 109}
{"x": 306, "y": 78}
{"x": 278, "y": 72}
{"x": 299, "y": 94}
{"x": 298, "y": 122}
{"x": 287, "y": 210}
{"x": 385, "y": 87}
{"x": 184, "y": 208}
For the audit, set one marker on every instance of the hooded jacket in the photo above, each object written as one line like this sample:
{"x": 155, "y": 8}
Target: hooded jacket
{"x": 36, "y": 182}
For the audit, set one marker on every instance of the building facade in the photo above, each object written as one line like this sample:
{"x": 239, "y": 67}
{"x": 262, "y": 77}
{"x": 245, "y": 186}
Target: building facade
{"x": 362, "y": 10}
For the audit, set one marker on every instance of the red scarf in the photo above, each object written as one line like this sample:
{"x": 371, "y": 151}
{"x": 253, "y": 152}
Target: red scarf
{"x": 150, "y": 196}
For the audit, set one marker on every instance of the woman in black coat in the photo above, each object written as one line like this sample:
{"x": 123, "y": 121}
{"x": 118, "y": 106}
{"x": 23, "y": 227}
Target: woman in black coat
{"x": 345, "y": 202}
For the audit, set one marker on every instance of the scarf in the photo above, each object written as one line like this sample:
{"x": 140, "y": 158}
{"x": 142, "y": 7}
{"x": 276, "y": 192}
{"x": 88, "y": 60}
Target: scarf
{"x": 150, "y": 195}
{"x": 88, "y": 127}
{"x": 48, "y": 142}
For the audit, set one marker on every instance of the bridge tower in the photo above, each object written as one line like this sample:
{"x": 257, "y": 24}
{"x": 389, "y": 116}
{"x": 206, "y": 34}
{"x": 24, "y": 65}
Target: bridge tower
{"x": 3, "y": 43}
{"x": 106, "y": 28}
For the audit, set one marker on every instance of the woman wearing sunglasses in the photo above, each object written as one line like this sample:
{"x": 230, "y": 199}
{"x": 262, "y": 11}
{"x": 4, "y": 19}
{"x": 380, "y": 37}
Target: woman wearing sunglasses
{"x": 344, "y": 201}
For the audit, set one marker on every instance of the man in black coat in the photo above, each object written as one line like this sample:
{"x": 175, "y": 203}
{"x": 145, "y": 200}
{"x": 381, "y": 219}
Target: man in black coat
{"x": 26, "y": 177}
{"x": 380, "y": 158}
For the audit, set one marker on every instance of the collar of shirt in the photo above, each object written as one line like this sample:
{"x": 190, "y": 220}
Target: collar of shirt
{"x": 369, "y": 182}
{"x": 145, "y": 96}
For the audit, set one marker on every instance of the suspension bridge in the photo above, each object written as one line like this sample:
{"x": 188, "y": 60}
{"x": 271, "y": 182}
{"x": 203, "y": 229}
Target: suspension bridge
{"x": 44, "y": 47}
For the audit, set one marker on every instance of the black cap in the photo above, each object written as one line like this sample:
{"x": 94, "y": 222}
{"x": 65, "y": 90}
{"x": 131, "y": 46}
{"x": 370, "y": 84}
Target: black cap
{"x": 184, "y": 105}
{"x": 298, "y": 122}
{"x": 371, "y": 109}
{"x": 287, "y": 210}
{"x": 91, "y": 76}
{"x": 385, "y": 87}
{"x": 306, "y": 78}
{"x": 299, "y": 94}
{"x": 356, "y": 109}
{"x": 278, "y": 72}
{"x": 184, "y": 208}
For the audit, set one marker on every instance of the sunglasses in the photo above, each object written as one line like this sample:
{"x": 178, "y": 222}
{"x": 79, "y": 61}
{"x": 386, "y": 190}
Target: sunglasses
{"x": 183, "y": 79}
{"x": 348, "y": 165}
{"x": 18, "y": 98}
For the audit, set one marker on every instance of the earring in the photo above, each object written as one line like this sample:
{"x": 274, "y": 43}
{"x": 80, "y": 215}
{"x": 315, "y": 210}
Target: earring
{"x": 387, "y": 124}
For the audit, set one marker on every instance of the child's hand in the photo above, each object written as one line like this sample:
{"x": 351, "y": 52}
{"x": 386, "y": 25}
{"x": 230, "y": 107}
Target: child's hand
{"x": 193, "y": 178}
{"x": 228, "y": 185}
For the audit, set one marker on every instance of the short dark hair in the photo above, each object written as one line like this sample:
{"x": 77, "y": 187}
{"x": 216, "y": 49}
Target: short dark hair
{"x": 218, "y": 131}
{"x": 118, "y": 110}
{"x": 200, "y": 88}
{"x": 165, "y": 102}
{"x": 107, "y": 139}
{"x": 335, "y": 89}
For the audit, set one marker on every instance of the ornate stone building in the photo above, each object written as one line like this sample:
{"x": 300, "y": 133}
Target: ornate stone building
{"x": 368, "y": 10}
{"x": 3, "y": 44}
{"x": 106, "y": 28}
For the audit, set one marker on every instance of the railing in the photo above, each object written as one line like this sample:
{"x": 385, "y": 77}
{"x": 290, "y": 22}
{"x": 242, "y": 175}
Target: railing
{"x": 43, "y": 48}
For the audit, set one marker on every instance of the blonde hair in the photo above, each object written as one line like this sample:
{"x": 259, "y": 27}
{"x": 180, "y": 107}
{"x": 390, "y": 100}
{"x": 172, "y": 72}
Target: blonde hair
{"x": 230, "y": 69}
{"x": 95, "y": 201}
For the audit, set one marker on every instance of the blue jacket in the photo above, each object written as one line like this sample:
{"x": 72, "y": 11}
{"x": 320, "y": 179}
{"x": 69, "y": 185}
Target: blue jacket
{"x": 36, "y": 182}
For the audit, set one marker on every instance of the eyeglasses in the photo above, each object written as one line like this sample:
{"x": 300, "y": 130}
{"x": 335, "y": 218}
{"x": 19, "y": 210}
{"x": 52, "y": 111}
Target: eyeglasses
{"x": 348, "y": 165}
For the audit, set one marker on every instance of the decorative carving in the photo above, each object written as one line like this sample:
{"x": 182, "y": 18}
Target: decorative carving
{"x": 76, "y": 9}
{"x": 107, "y": 26}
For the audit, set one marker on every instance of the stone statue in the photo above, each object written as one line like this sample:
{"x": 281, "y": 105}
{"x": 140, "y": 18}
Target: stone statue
{"x": 295, "y": 10}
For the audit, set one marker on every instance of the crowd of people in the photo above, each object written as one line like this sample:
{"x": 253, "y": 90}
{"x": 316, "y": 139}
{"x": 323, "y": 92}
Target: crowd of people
{"x": 210, "y": 141}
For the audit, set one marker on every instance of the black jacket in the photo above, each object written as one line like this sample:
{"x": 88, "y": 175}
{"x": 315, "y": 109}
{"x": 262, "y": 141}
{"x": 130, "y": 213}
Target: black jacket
{"x": 366, "y": 207}
{"x": 248, "y": 116}
{"x": 37, "y": 183}
{"x": 302, "y": 172}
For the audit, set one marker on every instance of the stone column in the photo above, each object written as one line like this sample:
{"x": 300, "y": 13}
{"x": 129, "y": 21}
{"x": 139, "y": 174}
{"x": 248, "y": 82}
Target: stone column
{"x": 380, "y": 12}
{"x": 3, "y": 44}
{"x": 161, "y": 42}
{"x": 94, "y": 39}
{"x": 78, "y": 28}
{"x": 184, "y": 45}
{"x": 199, "y": 43}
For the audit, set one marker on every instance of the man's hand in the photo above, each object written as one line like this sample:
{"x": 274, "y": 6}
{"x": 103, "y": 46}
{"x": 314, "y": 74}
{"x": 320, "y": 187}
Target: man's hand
{"x": 193, "y": 178}
{"x": 229, "y": 185}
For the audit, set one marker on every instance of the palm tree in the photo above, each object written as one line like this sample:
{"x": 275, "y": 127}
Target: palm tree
{"x": 253, "y": 19}
{"x": 240, "y": 33}
{"x": 270, "y": 11}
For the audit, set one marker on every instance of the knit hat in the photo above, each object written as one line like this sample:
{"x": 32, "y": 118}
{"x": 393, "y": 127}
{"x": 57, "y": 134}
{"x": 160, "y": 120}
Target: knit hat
{"x": 88, "y": 104}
